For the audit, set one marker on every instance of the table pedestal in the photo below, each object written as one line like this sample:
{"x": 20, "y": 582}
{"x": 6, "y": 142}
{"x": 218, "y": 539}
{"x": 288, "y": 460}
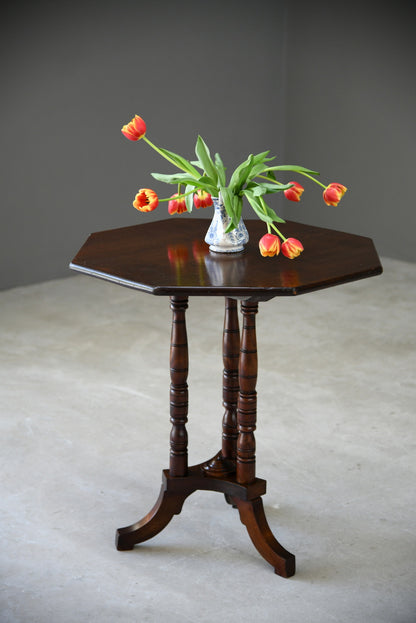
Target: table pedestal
{"x": 233, "y": 470}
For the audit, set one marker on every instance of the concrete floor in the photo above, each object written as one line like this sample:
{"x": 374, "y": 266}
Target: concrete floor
{"x": 84, "y": 429}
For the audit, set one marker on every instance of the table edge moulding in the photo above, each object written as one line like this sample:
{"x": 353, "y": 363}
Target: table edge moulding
{"x": 169, "y": 258}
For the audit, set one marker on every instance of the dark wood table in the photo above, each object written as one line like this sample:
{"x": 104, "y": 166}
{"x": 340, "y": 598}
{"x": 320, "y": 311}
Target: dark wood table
{"x": 171, "y": 258}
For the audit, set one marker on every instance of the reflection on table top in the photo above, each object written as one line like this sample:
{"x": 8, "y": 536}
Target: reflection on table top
{"x": 170, "y": 257}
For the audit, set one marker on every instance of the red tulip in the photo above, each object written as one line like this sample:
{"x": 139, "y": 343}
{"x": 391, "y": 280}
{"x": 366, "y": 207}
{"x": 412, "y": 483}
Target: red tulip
{"x": 292, "y": 248}
{"x": 146, "y": 200}
{"x": 333, "y": 194}
{"x": 134, "y": 130}
{"x": 294, "y": 193}
{"x": 176, "y": 206}
{"x": 269, "y": 245}
{"x": 202, "y": 199}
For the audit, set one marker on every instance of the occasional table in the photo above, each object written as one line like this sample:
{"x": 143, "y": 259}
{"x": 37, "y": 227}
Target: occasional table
{"x": 170, "y": 258}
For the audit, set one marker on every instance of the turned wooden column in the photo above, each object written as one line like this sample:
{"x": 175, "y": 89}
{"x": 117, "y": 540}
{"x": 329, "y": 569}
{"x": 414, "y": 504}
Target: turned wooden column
{"x": 231, "y": 354}
{"x": 247, "y": 398}
{"x": 178, "y": 464}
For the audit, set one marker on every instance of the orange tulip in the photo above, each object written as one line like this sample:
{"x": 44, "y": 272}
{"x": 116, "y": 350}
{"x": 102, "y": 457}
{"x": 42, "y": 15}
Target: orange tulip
{"x": 333, "y": 194}
{"x": 269, "y": 245}
{"x": 292, "y": 248}
{"x": 134, "y": 130}
{"x": 294, "y": 193}
{"x": 202, "y": 199}
{"x": 176, "y": 206}
{"x": 146, "y": 200}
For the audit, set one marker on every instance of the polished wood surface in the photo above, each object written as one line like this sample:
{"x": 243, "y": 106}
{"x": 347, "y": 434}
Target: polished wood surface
{"x": 171, "y": 258}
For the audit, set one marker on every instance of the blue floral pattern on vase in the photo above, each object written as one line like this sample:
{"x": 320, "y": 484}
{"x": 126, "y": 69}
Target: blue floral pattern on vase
{"x": 218, "y": 240}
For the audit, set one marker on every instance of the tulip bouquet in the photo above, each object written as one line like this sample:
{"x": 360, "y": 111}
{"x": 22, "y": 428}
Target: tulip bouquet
{"x": 200, "y": 180}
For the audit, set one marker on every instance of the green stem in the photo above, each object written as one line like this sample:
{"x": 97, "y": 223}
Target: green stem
{"x": 300, "y": 172}
{"x": 278, "y": 232}
{"x": 269, "y": 179}
{"x": 160, "y": 152}
{"x": 178, "y": 196}
{"x": 312, "y": 178}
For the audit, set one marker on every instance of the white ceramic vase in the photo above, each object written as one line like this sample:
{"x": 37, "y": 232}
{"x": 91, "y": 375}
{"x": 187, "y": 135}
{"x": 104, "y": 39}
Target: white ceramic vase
{"x": 219, "y": 241}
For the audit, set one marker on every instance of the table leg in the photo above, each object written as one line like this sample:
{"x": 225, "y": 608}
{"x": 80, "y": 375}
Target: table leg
{"x": 232, "y": 471}
{"x": 247, "y": 398}
{"x": 252, "y": 511}
{"x": 178, "y": 464}
{"x": 224, "y": 462}
{"x": 170, "y": 501}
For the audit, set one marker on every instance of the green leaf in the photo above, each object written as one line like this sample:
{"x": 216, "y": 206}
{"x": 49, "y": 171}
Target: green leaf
{"x": 258, "y": 164}
{"x": 262, "y": 157}
{"x": 189, "y": 199}
{"x": 262, "y": 209}
{"x": 240, "y": 175}
{"x": 273, "y": 215}
{"x": 238, "y": 206}
{"x": 292, "y": 167}
{"x": 220, "y": 169}
{"x": 203, "y": 153}
{"x": 227, "y": 197}
{"x": 179, "y": 161}
{"x": 208, "y": 184}
{"x": 203, "y": 182}
{"x": 175, "y": 178}
{"x": 237, "y": 209}
{"x": 256, "y": 170}
{"x": 266, "y": 188}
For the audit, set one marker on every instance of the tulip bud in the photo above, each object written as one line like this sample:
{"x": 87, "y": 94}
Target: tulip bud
{"x": 269, "y": 245}
{"x": 294, "y": 193}
{"x": 202, "y": 199}
{"x": 177, "y": 206}
{"x": 146, "y": 200}
{"x": 291, "y": 248}
{"x": 134, "y": 130}
{"x": 333, "y": 194}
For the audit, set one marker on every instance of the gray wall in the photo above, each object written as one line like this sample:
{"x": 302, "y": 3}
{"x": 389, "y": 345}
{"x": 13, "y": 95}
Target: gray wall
{"x": 351, "y": 107}
{"x": 330, "y": 89}
{"x": 75, "y": 72}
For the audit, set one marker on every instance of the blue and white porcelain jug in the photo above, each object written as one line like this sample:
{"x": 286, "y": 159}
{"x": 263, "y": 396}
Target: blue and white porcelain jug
{"x": 219, "y": 241}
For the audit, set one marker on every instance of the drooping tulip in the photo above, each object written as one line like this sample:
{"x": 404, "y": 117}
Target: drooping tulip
{"x": 146, "y": 200}
{"x": 294, "y": 193}
{"x": 333, "y": 194}
{"x": 202, "y": 199}
{"x": 291, "y": 248}
{"x": 135, "y": 130}
{"x": 176, "y": 206}
{"x": 269, "y": 245}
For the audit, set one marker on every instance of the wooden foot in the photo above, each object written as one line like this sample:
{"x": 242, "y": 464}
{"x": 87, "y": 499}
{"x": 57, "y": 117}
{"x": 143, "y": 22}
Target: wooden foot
{"x": 253, "y": 517}
{"x": 167, "y": 505}
{"x": 229, "y": 499}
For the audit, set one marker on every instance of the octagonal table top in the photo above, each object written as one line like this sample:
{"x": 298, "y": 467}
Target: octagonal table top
{"x": 170, "y": 258}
